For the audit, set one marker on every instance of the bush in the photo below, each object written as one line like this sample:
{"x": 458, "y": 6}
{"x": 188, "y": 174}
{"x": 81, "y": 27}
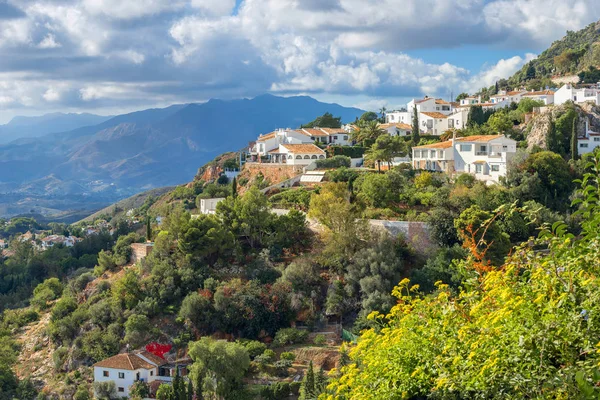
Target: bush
{"x": 45, "y": 292}
{"x": 282, "y": 366}
{"x": 287, "y": 355}
{"x": 348, "y": 151}
{"x": 58, "y": 357}
{"x": 254, "y": 348}
{"x": 106, "y": 390}
{"x": 277, "y": 391}
{"x": 295, "y": 388}
{"x": 266, "y": 357}
{"x": 81, "y": 394}
{"x": 287, "y": 336}
{"x": 334, "y": 162}
{"x": 12, "y": 319}
{"x": 320, "y": 339}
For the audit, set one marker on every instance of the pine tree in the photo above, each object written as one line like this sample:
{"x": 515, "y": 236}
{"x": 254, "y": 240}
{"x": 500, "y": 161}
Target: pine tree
{"x": 177, "y": 385}
{"x": 307, "y": 390}
{"x": 415, "y": 127}
{"x": 234, "y": 187}
{"x": 496, "y": 89}
{"x": 574, "y": 151}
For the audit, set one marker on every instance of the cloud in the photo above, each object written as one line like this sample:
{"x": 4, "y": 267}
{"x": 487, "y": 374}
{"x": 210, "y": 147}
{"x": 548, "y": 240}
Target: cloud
{"x": 117, "y": 53}
{"x": 49, "y": 42}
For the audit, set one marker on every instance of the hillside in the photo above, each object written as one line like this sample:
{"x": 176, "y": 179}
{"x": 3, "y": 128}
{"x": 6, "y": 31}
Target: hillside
{"x": 572, "y": 54}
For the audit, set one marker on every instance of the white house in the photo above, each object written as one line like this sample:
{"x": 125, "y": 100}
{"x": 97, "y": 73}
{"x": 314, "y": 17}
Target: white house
{"x": 433, "y": 123}
{"x": 570, "y": 93}
{"x": 50, "y": 241}
{"x": 397, "y": 129}
{"x": 298, "y": 154}
{"x": 126, "y": 368}
{"x": 209, "y": 206}
{"x": 470, "y": 101}
{"x": 339, "y": 136}
{"x": 271, "y": 141}
{"x": 589, "y": 142}
{"x": 485, "y": 156}
{"x": 459, "y": 118}
{"x": 547, "y": 96}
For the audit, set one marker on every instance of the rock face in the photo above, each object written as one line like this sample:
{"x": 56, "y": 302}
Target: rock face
{"x": 540, "y": 123}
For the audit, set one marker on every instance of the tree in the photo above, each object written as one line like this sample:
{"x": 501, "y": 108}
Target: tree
{"x": 574, "y": 136}
{"x": 307, "y": 390}
{"x": 478, "y": 228}
{"x": 234, "y": 187}
{"x": 198, "y": 310}
{"x": 139, "y": 389}
{"x": 327, "y": 120}
{"x": 218, "y": 366}
{"x": 530, "y": 73}
{"x": 385, "y": 148}
{"x": 368, "y": 132}
{"x": 106, "y": 390}
{"x": 332, "y": 207}
{"x": 415, "y": 127}
{"x": 148, "y": 229}
{"x": 476, "y": 117}
{"x": 368, "y": 116}
{"x": 551, "y": 138}
{"x": 382, "y": 113}
{"x": 207, "y": 239}
{"x": 138, "y": 331}
{"x": 461, "y": 96}
{"x": 165, "y": 392}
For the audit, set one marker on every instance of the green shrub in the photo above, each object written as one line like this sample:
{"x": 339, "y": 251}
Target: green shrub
{"x": 282, "y": 366}
{"x": 320, "y": 339}
{"x": 287, "y": 336}
{"x": 58, "y": 357}
{"x": 295, "y": 388}
{"x": 254, "y": 347}
{"x": 12, "y": 319}
{"x": 82, "y": 393}
{"x": 348, "y": 151}
{"x": 49, "y": 290}
{"x": 266, "y": 357}
{"x": 287, "y": 355}
{"x": 334, "y": 162}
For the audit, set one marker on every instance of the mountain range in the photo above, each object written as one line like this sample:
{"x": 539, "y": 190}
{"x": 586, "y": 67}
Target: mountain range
{"x": 128, "y": 153}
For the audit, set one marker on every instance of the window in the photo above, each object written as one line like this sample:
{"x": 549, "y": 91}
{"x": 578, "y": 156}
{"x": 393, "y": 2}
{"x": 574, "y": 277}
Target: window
{"x": 335, "y": 138}
{"x": 151, "y": 372}
{"x": 121, "y": 390}
{"x": 314, "y": 157}
{"x": 105, "y": 373}
{"x": 465, "y": 147}
{"x": 417, "y": 154}
{"x": 597, "y": 139}
{"x": 121, "y": 375}
{"x": 298, "y": 157}
{"x": 321, "y": 157}
{"x": 307, "y": 157}
{"x": 345, "y": 137}
{"x": 495, "y": 168}
{"x": 440, "y": 154}
{"x": 432, "y": 153}
{"x": 289, "y": 157}
{"x": 483, "y": 147}
{"x": 478, "y": 168}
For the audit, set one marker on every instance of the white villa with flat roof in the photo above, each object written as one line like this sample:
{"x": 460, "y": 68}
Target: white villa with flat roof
{"x": 589, "y": 142}
{"x": 431, "y": 112}
{"x": 485, "y": 156}
{"x": 577, "y": 95}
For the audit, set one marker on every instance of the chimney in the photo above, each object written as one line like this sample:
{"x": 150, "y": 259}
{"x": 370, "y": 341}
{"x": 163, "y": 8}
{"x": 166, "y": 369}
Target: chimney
{"x": 453, "y": 138}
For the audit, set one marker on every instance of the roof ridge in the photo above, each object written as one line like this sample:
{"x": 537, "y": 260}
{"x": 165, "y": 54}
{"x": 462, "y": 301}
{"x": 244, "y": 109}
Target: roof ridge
{"x": 130, "y": 363}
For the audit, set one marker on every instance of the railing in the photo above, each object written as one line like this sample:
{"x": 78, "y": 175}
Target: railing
{"x": 481, "y": 153}
{"x": 495, "y": 154}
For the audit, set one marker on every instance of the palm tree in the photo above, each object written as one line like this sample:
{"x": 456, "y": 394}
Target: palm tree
{"x": 382, "y": 112}
{"x": 368, "y": 131}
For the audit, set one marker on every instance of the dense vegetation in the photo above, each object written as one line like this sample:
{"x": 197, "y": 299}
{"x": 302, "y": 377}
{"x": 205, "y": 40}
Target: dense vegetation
{"x": 526, "y": 330}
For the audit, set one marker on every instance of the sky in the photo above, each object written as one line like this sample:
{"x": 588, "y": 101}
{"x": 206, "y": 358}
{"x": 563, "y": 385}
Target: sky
{"x": 115, "y": 56}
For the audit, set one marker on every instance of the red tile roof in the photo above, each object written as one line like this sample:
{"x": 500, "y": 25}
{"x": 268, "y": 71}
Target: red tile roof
{"x": 130, "y": 361}
{"x": 303, "y": 148}
{"x": 436, "y": 115}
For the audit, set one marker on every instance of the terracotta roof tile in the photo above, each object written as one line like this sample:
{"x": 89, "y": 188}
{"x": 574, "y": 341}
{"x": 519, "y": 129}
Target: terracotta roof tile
{"x": 540, "y": 93}
{"x": 129, "y": 361}
{"x": 479, "y": 138}
{"x": 436, "y": 115}
{"x": 264, "y": 137}
{"x": 313, "y": 132}
{"x": 397, "y": 125}
{"x": 333, "y": 131}
{"x": 441, "y": 145}
{"x": 441, "y": 101}
{"x": 303, "y": 148}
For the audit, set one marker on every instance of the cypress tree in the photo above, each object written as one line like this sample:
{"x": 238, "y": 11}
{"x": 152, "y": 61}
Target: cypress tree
{"x": 148, "y": 229}
{"x": 190, "y": 390}
{"x": 307, "y": 390}
{"x": 574, "y": 151}
{"x": 234, "y": 187}
{"x": 320, "y": 382}
{"x": 551, "y": 139}
{"x": 415, "y": 127}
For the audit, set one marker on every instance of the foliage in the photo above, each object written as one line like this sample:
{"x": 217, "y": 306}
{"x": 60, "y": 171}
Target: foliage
{"x": 348, "y": 151}
{"x": 326, "y": 120}
{"x": 527, "y": 330}
{"x": 45, "y": 292}
{"x": 218, "y": 366}
{"x": 253, "y": 347}
{"x": 140, "y": 389}
{"x": 138, "y": 330}
{"x": 334, "y": 162}
{"x": 320, "y": 339}
{"x": 298, "y": 198}
{"x": 287, "y": 336}
{"x": 106, "y": 390}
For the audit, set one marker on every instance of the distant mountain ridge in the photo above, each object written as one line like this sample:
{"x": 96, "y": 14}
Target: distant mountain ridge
{"x": 152, "y": 148}
{"x": 26, "y": 127}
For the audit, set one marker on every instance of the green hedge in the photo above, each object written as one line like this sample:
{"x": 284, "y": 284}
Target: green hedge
{"x": 334, "y": 162}
{"x": 348, "y": 151}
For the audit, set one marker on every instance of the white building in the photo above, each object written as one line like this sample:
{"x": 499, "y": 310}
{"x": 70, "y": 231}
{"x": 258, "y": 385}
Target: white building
{"x": 547, "y": 96}
{"x": 485, "y": 156}
{"x": 570, "y": 93}
{"x": 426, "y": 105}
{"x": 209, "y": 206}
{"x": 127, "y": 368}
{"x": 589, "y": 142}
{"x": 458, "y": 119}
{"x": 271, "y": 141}
{"x": 433, "y": 123}
{"x": 397, "y": 129}
{"x": 297, "y": 154}
{"x": 470, "y": 101}
{"x": 50, "y": 241}
{"x": 337, "y": 136}
{"x": 506, "y": 98}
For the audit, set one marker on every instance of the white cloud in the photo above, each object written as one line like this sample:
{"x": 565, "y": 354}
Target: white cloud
{"x": 214, "y": 7}
{"x": 131, "y": 56}
{"x": 128, "y": 9}
{"x": 52, "y": 94}
{"x": 49, "y": 42}
{"x": 15, "y": 32}
{"x": 502, "y": 69}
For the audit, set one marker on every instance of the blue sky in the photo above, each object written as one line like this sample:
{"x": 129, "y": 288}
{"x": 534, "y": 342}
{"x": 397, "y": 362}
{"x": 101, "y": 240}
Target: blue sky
{"x": 114, "y": 56}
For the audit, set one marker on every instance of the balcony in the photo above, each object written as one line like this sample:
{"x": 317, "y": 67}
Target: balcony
{"x": 481, "y": 153}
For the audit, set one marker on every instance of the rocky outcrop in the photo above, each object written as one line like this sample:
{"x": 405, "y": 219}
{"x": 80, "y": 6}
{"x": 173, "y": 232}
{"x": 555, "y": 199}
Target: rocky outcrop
{"x": 540, "y": 123}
